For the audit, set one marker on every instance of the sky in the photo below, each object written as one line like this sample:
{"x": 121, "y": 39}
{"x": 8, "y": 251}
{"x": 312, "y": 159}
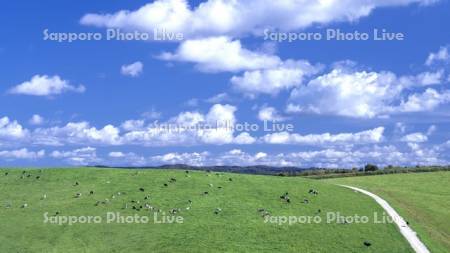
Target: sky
{"x": 222, "y": 84}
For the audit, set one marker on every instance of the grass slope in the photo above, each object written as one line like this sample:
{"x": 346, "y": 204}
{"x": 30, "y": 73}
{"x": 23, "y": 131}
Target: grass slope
{"x": 423, "y": 199}
{"x": 238, "y": 228}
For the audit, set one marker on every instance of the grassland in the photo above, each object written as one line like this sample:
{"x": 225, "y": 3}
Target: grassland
{"x": 238, "y": 227}
{"x": 422, "y": 199}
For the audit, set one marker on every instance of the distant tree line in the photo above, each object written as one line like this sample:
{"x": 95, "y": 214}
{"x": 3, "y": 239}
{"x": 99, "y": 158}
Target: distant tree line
{"x": 368, "y": 170}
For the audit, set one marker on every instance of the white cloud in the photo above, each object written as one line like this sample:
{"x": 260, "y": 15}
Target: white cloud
{"x": 238, "y": 18}
{"x": 370, "y": 136}
{"x": 36, "y": 119}
{"x": 431, "y": 130}
{"x": 426, "y": 101}
{"x": 270, "y": 114}
{"x": 430, "y": 78}
{"x": 364, "y": 94}
{"x": 195, "y": 159}
{"x": 415, "y": 138}
{"x": 287, "y": 75}
{"x": 219, "y": 98}
{"x": 441, "y": 55}
{"x": 45, "y": 86}
{"x": 81, "y": 156}
{"x": 11, "y": 130}
{"x": 77, "y": 133}
{"x": 347, "y": 157}
{"x": 21, "y": 154}
{"x": 133, "y": 70}
{"x": 244, "y": 139}
{"x": 191, "y": 128}
{"x": 220, "y": 54}
{"x": 133, "y": 125}
{"x": 352, "y": 94}
{"x": 116, "y": 154}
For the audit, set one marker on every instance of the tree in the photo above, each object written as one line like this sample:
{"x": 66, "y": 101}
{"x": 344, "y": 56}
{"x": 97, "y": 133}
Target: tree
{"x": 370, "y": 167}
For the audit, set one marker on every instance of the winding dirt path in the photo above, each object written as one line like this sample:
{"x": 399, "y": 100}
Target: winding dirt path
{"x": 406, "y": 231}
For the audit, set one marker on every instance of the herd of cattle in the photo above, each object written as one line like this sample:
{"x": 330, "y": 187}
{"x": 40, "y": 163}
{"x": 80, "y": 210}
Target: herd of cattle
{"x": 144, "y": 203}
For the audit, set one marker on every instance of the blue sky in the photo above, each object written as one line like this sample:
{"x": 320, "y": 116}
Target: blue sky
{"x": 348, "y": 102}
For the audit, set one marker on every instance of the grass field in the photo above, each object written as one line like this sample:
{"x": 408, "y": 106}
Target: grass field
{"x": 237, "y": 227}
{"x": 423, "y": 199}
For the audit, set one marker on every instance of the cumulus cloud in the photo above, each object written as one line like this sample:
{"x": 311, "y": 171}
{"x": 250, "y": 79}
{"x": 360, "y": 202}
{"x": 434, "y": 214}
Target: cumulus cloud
{"x": 364, "y": 94}
{"x": 133, "y": 125}
{"x": 21, "y": 154}
{"x": 77, "y": 133}
{"x": 352, "y": 94}
{"x": 220, "y": 54}
{"x": 287, "y": 75}
{"x": 344, "y": 157}
{"x": 45, "y": 86}
{"x": 440, "y": 56}
{"x": 36, "y": 119}
{"x": 192, "y": 128}
{"x": 270, "y": 114}
{"x": 133, "y": 70}
{"x": 79, "y": 157}
{"x": 426, "y": 101}
{"x": 370, "y": 136}
{"x": 415, "y": 138}
{"x": 238, "y": 18}
{"x": 116, "y": 154}
{"x": 12, "y": 130}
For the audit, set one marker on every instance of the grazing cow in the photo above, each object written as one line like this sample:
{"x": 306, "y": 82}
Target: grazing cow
{"x": 306, "y": 201}
{"x": 219, "y": 187}
{"x": 97, "y": 203}
{"x": 284, "y": 196}
{"x": 147, "y": 197}
{"x": 56, "y": 213}
{"x": 76, "y": 184}
{"x": 78, "y": 194}
{"x": 230, "y": 179}
{"x": 29, "y": 175}
{"x": 25, "y": 205}
{"x": 142, "y": 189}
{"x": 210, "y": 185}
{"x": 190, "y": 201}
{"x": 44, "y": 197}
{"x": 218, "y": 210}
{"x": 205, "y": 193}
{"x": 166, "y": 185}
{"x": 6, "y": 173}
{"x": 367, "y": 244}
{"x": 173, "y": 180}
{"x": 91, "y": 193}
{"x": 173, "y": 211}
{"x": 38, "y": 177}
{"x": 187, "y": 171}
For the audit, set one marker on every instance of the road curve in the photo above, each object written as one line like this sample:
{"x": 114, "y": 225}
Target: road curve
{"x": 406, "y": 231}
